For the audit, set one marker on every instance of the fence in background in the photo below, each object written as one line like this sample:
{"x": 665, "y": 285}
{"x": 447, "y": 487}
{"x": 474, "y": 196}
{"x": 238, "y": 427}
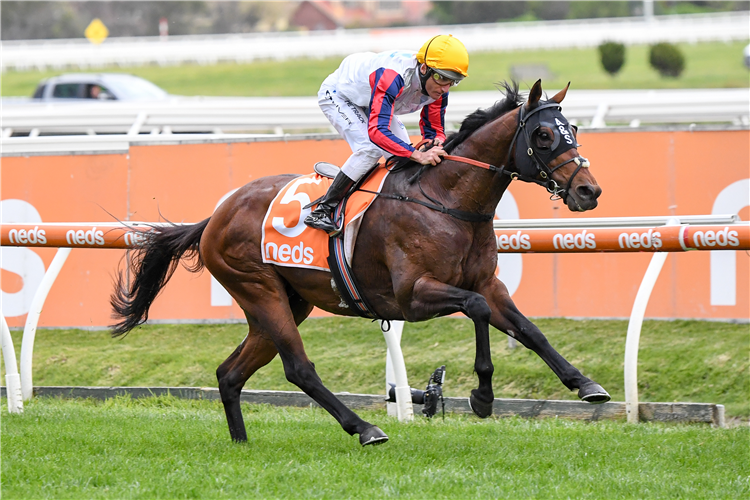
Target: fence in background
{"x": 79, "y": 53}
{"x": 280, "y": 115}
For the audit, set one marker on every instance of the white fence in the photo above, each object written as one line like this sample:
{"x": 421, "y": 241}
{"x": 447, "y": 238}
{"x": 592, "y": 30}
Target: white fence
{"x": 278, "y": 115}
{"x": 79, "y": 53}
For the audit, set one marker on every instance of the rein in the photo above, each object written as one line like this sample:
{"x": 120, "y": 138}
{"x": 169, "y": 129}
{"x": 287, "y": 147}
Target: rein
{"x": 543, "y": 170}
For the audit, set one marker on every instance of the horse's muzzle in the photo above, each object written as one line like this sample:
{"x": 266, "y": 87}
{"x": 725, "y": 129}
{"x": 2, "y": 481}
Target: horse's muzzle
{"x": 583, "y": 197}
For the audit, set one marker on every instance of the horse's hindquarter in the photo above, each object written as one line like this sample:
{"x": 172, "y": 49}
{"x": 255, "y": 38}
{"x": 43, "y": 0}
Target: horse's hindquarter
{"x": 231, "y": 249}
{"x": 231, "y": 241}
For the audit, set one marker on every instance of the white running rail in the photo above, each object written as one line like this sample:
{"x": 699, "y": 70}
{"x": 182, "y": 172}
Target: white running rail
{"x": 277, "y": 115}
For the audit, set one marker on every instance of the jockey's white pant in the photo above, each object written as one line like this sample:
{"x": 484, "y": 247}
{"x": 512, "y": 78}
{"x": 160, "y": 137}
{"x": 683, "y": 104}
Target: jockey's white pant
{"x": 350, "y": 121}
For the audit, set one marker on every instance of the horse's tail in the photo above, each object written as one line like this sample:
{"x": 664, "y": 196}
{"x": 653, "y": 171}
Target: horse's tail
{"x": 151, "y": 266}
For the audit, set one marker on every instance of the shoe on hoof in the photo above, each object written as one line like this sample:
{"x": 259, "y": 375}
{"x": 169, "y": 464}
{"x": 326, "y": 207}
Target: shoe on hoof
{"x": 593, "y": 393}
{"x": 372, "y": 435}
{"x": 482, "y": 410}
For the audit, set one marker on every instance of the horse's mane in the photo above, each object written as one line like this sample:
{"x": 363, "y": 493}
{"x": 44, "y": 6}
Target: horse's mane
{"x": 481, "y": 116}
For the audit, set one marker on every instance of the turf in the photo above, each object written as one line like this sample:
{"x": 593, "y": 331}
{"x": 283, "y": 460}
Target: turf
{"x": 690, "y": 361}
{"x": 707, "y": 65}
{"x": 168, "y": 448}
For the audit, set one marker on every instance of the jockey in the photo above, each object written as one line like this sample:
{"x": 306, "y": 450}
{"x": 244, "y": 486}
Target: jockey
{"x": 362, "y": 98}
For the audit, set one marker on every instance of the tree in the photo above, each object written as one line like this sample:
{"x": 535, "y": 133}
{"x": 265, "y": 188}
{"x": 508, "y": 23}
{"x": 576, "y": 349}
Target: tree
{"x": 612, "y": 56}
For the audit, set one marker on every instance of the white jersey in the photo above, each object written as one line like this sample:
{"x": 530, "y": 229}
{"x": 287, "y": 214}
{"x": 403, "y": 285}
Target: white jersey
{"x": 383, "y": 85}
{"x": 352, "y": 79}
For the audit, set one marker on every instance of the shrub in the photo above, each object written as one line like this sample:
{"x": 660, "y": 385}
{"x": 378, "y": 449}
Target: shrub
{"x": 666, "y": 59}
{"x": 613, "y": 56}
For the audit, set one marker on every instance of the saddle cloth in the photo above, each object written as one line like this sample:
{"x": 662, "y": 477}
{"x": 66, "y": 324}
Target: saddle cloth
{"x": 287, "y": 241}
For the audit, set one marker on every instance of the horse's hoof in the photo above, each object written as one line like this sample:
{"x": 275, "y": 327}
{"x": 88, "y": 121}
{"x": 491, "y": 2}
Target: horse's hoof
{"x": 593, "y": 393}
{"x": 482, "y": 410}
{"x": 372, "y": 435}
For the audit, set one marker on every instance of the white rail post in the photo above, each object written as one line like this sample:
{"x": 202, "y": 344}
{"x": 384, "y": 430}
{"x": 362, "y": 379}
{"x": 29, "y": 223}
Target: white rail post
{"x": 12, "y": 379}
{"x": 395, "y": 370}
{"x": 634, "y": 330}
{"x": 32, "y": 319}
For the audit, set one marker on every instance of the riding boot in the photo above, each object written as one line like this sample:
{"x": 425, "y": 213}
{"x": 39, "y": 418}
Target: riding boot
{"x": 320, "y": 218}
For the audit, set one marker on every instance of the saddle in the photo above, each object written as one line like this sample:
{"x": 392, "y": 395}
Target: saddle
{"x": 326, "y": 169}
{"x": 340, "y": 270}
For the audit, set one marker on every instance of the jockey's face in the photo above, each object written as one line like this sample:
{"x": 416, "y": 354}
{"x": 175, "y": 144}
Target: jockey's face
{"x": 436, "y": 87}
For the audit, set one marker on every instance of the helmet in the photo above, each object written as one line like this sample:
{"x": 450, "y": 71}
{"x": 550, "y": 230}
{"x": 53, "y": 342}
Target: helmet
{"x": 445, "y": 55}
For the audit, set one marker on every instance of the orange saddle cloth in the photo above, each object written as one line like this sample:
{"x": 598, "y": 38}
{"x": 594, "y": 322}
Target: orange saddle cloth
{"x": 287, "y": 241}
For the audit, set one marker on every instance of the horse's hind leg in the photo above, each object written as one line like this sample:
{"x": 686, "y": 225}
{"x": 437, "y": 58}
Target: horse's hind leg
{"x": 269, "y": 311}
{"x": 255, "y": 352}
{"x": 508, "y": 319}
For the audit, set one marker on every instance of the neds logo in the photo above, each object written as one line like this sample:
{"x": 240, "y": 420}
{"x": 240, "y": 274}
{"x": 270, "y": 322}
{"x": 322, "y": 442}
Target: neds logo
{"x": 81, "y": 237}
{"x": 722, "y": 238}
{"x": 571, "y": 241}
{"x": 651, "y": 239}
{"x": 32, "y": 236}
{"x": 516, "y": 241}
{"x": 284, "y": 253}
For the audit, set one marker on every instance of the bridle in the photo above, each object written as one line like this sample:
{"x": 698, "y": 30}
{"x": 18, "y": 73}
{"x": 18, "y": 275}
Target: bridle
{"x": 535, "y": 163}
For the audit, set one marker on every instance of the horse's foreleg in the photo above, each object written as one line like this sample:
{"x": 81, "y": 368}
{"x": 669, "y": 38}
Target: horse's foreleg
{"x": 508, "y": 319}
{"x": 431, "y": 298}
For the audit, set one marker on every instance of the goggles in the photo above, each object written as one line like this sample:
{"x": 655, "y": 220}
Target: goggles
{"x": 443, "y": 81}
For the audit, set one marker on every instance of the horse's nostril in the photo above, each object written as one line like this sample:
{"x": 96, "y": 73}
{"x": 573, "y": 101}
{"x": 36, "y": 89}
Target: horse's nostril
{"x": 585, "y": 192}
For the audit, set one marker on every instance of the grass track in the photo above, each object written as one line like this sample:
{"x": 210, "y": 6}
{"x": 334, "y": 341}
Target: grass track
{"x": 169, "y": 448}
{"x": 693, "y": 361}
{"x": 707, "y": 65}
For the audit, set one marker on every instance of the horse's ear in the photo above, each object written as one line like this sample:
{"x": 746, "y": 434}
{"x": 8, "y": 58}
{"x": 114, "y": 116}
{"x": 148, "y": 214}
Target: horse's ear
{"x": 561, "y": 95}
{"x": 535, "y": 94}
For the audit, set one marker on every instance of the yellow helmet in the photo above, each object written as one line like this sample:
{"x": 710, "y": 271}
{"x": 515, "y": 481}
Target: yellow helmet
{"x": 446, "y": 55}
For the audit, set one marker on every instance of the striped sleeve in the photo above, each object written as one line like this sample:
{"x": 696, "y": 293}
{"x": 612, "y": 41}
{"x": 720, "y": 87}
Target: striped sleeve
{"x": 386, "y": 86}
{"x": 432, "y": 119}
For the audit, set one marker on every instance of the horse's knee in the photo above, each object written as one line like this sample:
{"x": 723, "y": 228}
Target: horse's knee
{"x": 477, "y": 308}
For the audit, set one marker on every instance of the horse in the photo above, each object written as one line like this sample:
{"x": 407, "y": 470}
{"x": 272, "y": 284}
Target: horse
{"x": 414, "y": 261}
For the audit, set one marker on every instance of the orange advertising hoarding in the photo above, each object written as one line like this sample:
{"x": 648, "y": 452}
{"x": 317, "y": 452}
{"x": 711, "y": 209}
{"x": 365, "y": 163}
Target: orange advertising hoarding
{"x": 641, "y": 173}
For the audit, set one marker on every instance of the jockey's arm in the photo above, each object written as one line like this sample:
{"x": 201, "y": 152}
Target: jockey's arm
{"x": 386, "y": 86}
{"x": 432, "y": 121}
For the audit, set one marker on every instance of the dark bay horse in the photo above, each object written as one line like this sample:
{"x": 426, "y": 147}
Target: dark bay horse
{"x": 412, "y": 262}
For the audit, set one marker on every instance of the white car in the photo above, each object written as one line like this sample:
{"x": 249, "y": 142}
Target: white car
{"x": 98, "y": 86}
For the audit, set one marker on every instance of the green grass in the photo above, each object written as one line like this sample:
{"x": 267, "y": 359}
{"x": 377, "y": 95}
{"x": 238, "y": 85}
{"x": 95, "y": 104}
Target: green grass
{"x": 707, "y": 65}
{"x": 169, "y": 448}
{"x": 690, "y": 361}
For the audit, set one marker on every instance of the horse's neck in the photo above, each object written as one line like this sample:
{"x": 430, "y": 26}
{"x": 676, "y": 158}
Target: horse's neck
{"x": 477, "y": 189}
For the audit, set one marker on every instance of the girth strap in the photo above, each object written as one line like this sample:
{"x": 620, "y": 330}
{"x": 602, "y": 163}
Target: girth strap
{"x": 343, "y": 276}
